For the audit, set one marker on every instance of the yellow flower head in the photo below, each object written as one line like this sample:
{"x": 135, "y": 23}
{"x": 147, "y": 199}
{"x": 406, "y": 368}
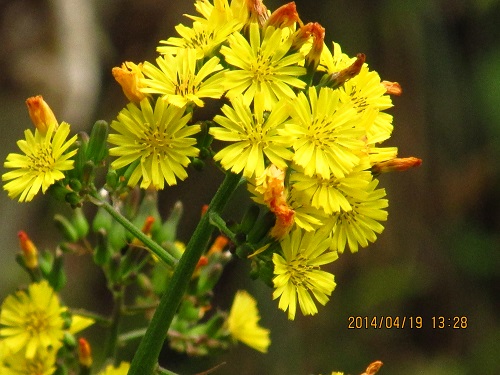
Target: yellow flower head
{"x": 262, "y": 65}
{"x": 359, "y": 225}
{"x": 331, "y": 195}
{"x": 32, "y": 320}
{"x": 43, "y": 163}
{"x": 297, "y": 272}
{"x": 207, "y": 33}
{"x": 129, "y": 77}
{"x": 178, "y": 80}
{"x": 243, "y": 322}
{"x": 255, "y": 138}
{"x": 120, "y": 370}
{"x": 42, "y": 363}
{"x": 328, "y": 133}
{"x": 159, "y": 138}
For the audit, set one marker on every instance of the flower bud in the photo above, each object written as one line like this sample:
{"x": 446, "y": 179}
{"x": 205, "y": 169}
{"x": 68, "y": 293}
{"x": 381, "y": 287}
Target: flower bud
{"x": 80, "y": 223}
{"x": 284, "y": 16}
{"x": 97, "y": 148}
{"x": 30, "y": 252}
{"x": 40, "y": 113}
{"x": 337, "y": 79}
{"x": 373, "y": 368}
{"x": 168, "y": 232}
{"x": 129, "y": 77}
{"x": 396, "y": 164}
{"x": 258, "y": 12}
{"x": 66, "y": 227}
{"x": 392, "y": 88}
{"x": 84, "y": 353}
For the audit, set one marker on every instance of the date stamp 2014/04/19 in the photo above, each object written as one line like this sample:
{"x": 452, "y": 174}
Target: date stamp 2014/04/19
{"x": 412, "y": 322}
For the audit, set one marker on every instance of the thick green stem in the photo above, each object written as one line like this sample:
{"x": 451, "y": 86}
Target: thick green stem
{"x": 146, "y": 357}
{"x": 159, "y": 251}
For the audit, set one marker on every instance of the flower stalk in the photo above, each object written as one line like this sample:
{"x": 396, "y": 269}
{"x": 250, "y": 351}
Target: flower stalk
{"x": 146, "y": 357}
{"x": 156, "y": 249}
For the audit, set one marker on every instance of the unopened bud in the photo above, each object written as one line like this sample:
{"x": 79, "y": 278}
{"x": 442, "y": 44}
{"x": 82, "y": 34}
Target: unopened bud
{"x": 30, "y": 252}
{"x": 258, "y": 11}
{"x": 392, "y": 88}
{"x": 129, "y": 77}
{"x": 337, "y": 79}
{"x": 41, "y": 114}
{"x": 219, "y": 244}
{"x": 84, "y": 353}
{"x": 284, "y": 16}
{"x": 396, "y": 165}
{"x": 373, "y": 368}
{"x": 97, "y": 148}
{"x": 146, "y": 229}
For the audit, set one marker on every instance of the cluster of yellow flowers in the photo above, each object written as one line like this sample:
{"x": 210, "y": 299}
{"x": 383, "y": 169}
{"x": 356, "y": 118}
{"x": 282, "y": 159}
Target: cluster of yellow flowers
{"x": 303, "y": 122}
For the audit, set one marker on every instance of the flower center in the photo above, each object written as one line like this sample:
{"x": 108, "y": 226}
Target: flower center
{"x": 298, "y": 270}
{"x": 185, "y": 85}
{"x": 155, "y": 141}
{"x": 36, "y": 322}
{"x": 261, "y": 69}
{"x": 42, "y": 160}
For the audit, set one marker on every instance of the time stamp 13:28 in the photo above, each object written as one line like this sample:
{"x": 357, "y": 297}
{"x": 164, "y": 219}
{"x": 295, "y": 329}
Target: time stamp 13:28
{"x": 416, "y": 322}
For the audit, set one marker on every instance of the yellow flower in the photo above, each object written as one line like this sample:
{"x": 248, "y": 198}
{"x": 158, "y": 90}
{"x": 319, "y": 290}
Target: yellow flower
{"x": 262, "y": 66}
{"x": 297, "y": 272}
{"x": 365, "y": 91}
{"x": 331, "y": 195}
{"x": 256, "y": 138}
{"x": 32, "y": 320}
{"x": 334, "y": 61}
{"x": 359, "y": 225}
{"x": 42, "y": 363}
{"x": 4, "y": 355}
{"x": 243, "y": 322}
{"x": 327, "y": 132}
{"x": 178, "y": 80}
{"x": 159, "y": 138}
{"x": 130, "y": 76}
{"x": 207, "y": 33}
{"x": 43, "y": 163}
{"x": 120, "y": 370}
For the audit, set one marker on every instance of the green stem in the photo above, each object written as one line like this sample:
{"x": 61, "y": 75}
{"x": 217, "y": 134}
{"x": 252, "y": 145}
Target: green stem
{"x": 146, "y": 357}
{"x": 112, "y": 339}
{"x": 159, "y": 251}
{"x": 131, "y": 335}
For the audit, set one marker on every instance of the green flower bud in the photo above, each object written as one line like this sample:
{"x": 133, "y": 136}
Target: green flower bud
{"x": 168, "y": 231}
{"x": 102, "y": 221}
{"x": 80, "y": 223}
{"x": 249, "y": 219}
{"x": 97, "y": 149}
{"x": 101, "y": 250}
{"x": 261, "y": 228}
{"x": 57, "y": 276}
{"x": 66, "y": 227}
{"x": 112, "y": 179}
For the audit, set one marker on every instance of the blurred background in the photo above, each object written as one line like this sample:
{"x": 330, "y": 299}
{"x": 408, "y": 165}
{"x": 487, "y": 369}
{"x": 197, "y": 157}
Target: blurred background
{"x": 440, "y": 252}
